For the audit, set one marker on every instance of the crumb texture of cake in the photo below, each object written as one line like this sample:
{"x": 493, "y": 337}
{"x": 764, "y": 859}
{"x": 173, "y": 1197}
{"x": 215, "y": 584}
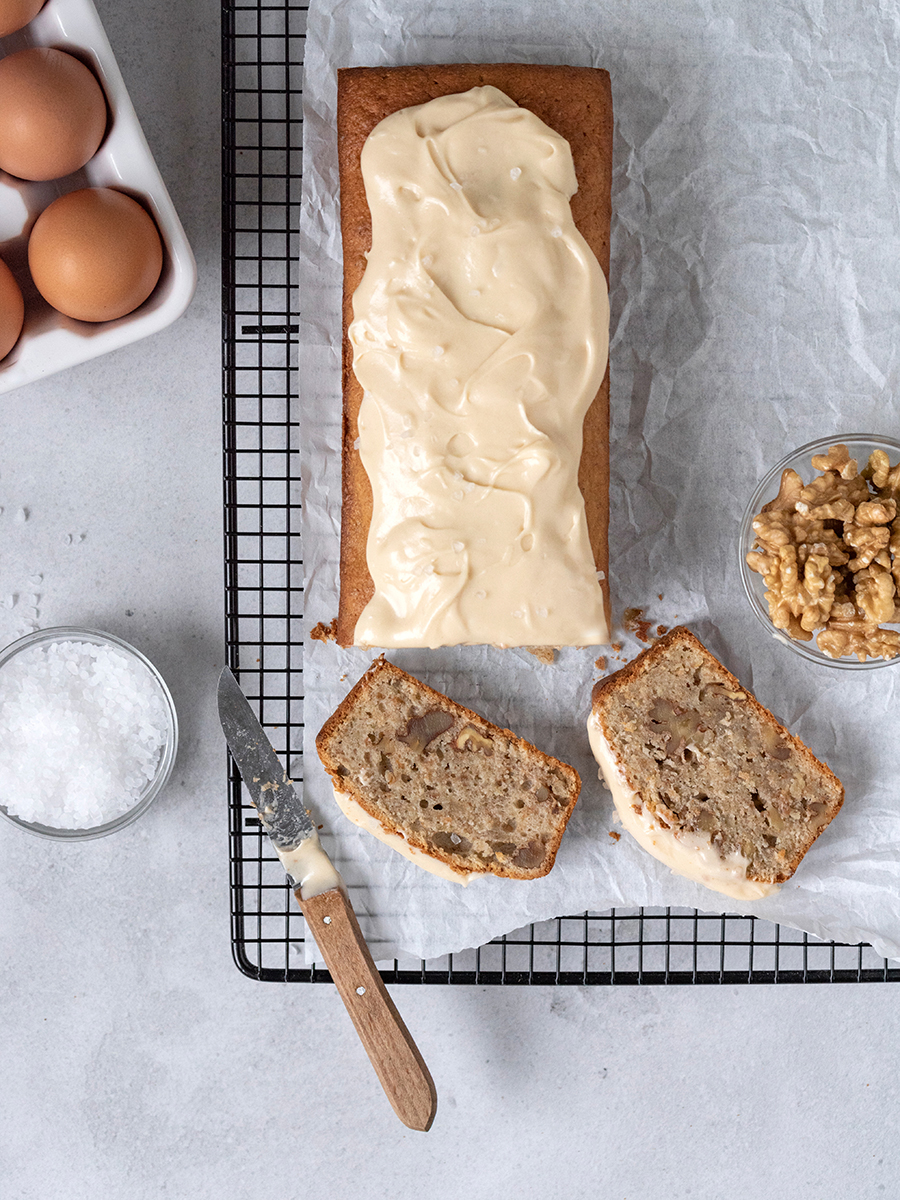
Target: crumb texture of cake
{"x": 703, "y": 776}
{"x": 455, "y": 787}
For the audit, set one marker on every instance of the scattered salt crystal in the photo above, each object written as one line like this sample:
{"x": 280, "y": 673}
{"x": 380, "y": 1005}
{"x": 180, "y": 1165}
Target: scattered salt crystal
{"x": 82, "y": 729}
{"x": 22, "y": 516}
{"x": 556, "y": 231}
{"x": 458, "y": 547}
{"x": 515, "y": 172}
{"x": 438, "y": 351}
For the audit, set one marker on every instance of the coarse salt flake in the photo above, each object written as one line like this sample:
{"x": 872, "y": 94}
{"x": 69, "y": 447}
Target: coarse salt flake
{"x": 82, "y": 731}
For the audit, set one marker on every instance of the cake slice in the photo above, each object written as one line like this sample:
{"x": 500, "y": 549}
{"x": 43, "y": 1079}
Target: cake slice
{"x": 702, "y": 775}
{"x": 448, "y": 789}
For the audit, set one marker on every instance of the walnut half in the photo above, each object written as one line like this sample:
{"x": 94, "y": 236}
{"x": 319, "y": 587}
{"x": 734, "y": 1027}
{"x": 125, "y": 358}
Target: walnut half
{"x": 471, "y": 739}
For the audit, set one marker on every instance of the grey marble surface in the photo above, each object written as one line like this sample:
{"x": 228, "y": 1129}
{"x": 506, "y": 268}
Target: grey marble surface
{"x": 137, "y": 1062}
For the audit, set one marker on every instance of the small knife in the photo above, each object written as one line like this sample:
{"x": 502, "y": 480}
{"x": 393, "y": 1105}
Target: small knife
{"x": 323, "y": 899}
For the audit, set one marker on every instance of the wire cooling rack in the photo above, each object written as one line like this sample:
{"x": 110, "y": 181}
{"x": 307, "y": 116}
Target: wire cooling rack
{"x": 262, "y": 53}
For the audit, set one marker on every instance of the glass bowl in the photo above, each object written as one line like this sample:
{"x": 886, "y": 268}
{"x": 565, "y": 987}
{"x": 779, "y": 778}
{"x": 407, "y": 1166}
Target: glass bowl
{"x": 163, "y": 770}
{"x": 860, "y": 446}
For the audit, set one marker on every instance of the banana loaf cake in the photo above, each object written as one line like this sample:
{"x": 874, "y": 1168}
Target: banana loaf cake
{"x": 453, "y": 792}
{"x": 703, "y": 776}
{"x": 475, "y": 220}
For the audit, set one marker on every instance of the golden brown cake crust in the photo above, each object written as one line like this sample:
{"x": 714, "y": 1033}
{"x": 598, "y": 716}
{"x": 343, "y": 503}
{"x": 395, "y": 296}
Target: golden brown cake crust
{"x": 470, "y": 791}
{"x": 576, "y": 102}
{"x": 644, "y": 664}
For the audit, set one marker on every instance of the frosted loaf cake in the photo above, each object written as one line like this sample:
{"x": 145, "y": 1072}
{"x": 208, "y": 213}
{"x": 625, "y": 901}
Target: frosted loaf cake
{"x": 453, "y": 792}
{"x": 702, "y": 775}
{"x": 475, "y": 452}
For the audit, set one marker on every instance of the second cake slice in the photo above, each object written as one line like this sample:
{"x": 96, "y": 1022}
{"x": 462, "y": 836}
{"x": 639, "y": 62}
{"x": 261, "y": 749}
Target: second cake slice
{"x": 704, "y": 777}
{"x": 450, "y": 790}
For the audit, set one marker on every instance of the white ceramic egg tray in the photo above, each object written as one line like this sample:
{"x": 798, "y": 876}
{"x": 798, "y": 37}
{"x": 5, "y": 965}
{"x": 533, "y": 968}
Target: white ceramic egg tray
{"x": 49, "y": 341}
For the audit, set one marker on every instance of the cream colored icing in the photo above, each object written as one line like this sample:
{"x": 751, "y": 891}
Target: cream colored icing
{"x": 355, "y": 812}
{"x": 311, "y": 869}
{"x": 480, "y": 337}
{"x": 691, "y": 855}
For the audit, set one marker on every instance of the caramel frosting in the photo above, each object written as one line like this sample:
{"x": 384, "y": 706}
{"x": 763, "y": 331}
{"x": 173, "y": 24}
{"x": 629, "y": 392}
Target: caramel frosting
{"x": 310, "y": 868}
{"x": 355, "y": 812}
{"x": 691, "y": 855}
{"x": 480, "y": 338}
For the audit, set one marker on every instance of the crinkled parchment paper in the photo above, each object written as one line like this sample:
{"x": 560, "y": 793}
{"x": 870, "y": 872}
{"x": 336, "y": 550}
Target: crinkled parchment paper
{"x": 755, "y": 301}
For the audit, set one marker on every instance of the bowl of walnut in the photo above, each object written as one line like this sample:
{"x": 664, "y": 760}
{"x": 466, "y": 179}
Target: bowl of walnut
{"x": 820, "y": 551}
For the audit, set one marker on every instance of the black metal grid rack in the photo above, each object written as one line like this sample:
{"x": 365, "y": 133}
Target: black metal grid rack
{"x": 262, "y": 52}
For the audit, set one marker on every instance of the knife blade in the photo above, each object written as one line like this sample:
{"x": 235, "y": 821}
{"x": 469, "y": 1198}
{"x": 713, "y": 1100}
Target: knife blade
{"x": 323, "y": 899}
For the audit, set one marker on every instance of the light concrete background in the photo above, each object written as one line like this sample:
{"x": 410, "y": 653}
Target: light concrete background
{"x": 137, "y": 1062}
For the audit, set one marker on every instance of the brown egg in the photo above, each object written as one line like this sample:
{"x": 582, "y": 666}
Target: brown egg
{"x": 95, "y": 254}
{"x": 12, "y": 310}
{"x": 15, "y": 14}
{"x": 54, "y": 113}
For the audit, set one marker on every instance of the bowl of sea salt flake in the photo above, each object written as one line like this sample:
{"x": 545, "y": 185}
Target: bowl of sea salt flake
{"x": 88, "y": 733}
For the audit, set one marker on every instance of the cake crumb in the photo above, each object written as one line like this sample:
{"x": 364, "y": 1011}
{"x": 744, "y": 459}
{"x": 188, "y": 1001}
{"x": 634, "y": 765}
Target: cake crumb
{"x": 544, "y": 654}
{"x": 662, "y": 630}
{"x": 323, "y": 632}
{"x": 636, "y": 623}
{"x": 615, "y": 836}
{"x": 616, "y": 646}
{"x": 600, "y": 663}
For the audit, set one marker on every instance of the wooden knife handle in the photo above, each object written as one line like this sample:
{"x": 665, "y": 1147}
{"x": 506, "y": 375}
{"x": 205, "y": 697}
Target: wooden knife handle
{"x": 394, "y": 1055}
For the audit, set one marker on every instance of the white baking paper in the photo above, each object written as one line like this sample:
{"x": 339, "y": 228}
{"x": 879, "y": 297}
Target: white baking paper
{"x": 755, "y": 300}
